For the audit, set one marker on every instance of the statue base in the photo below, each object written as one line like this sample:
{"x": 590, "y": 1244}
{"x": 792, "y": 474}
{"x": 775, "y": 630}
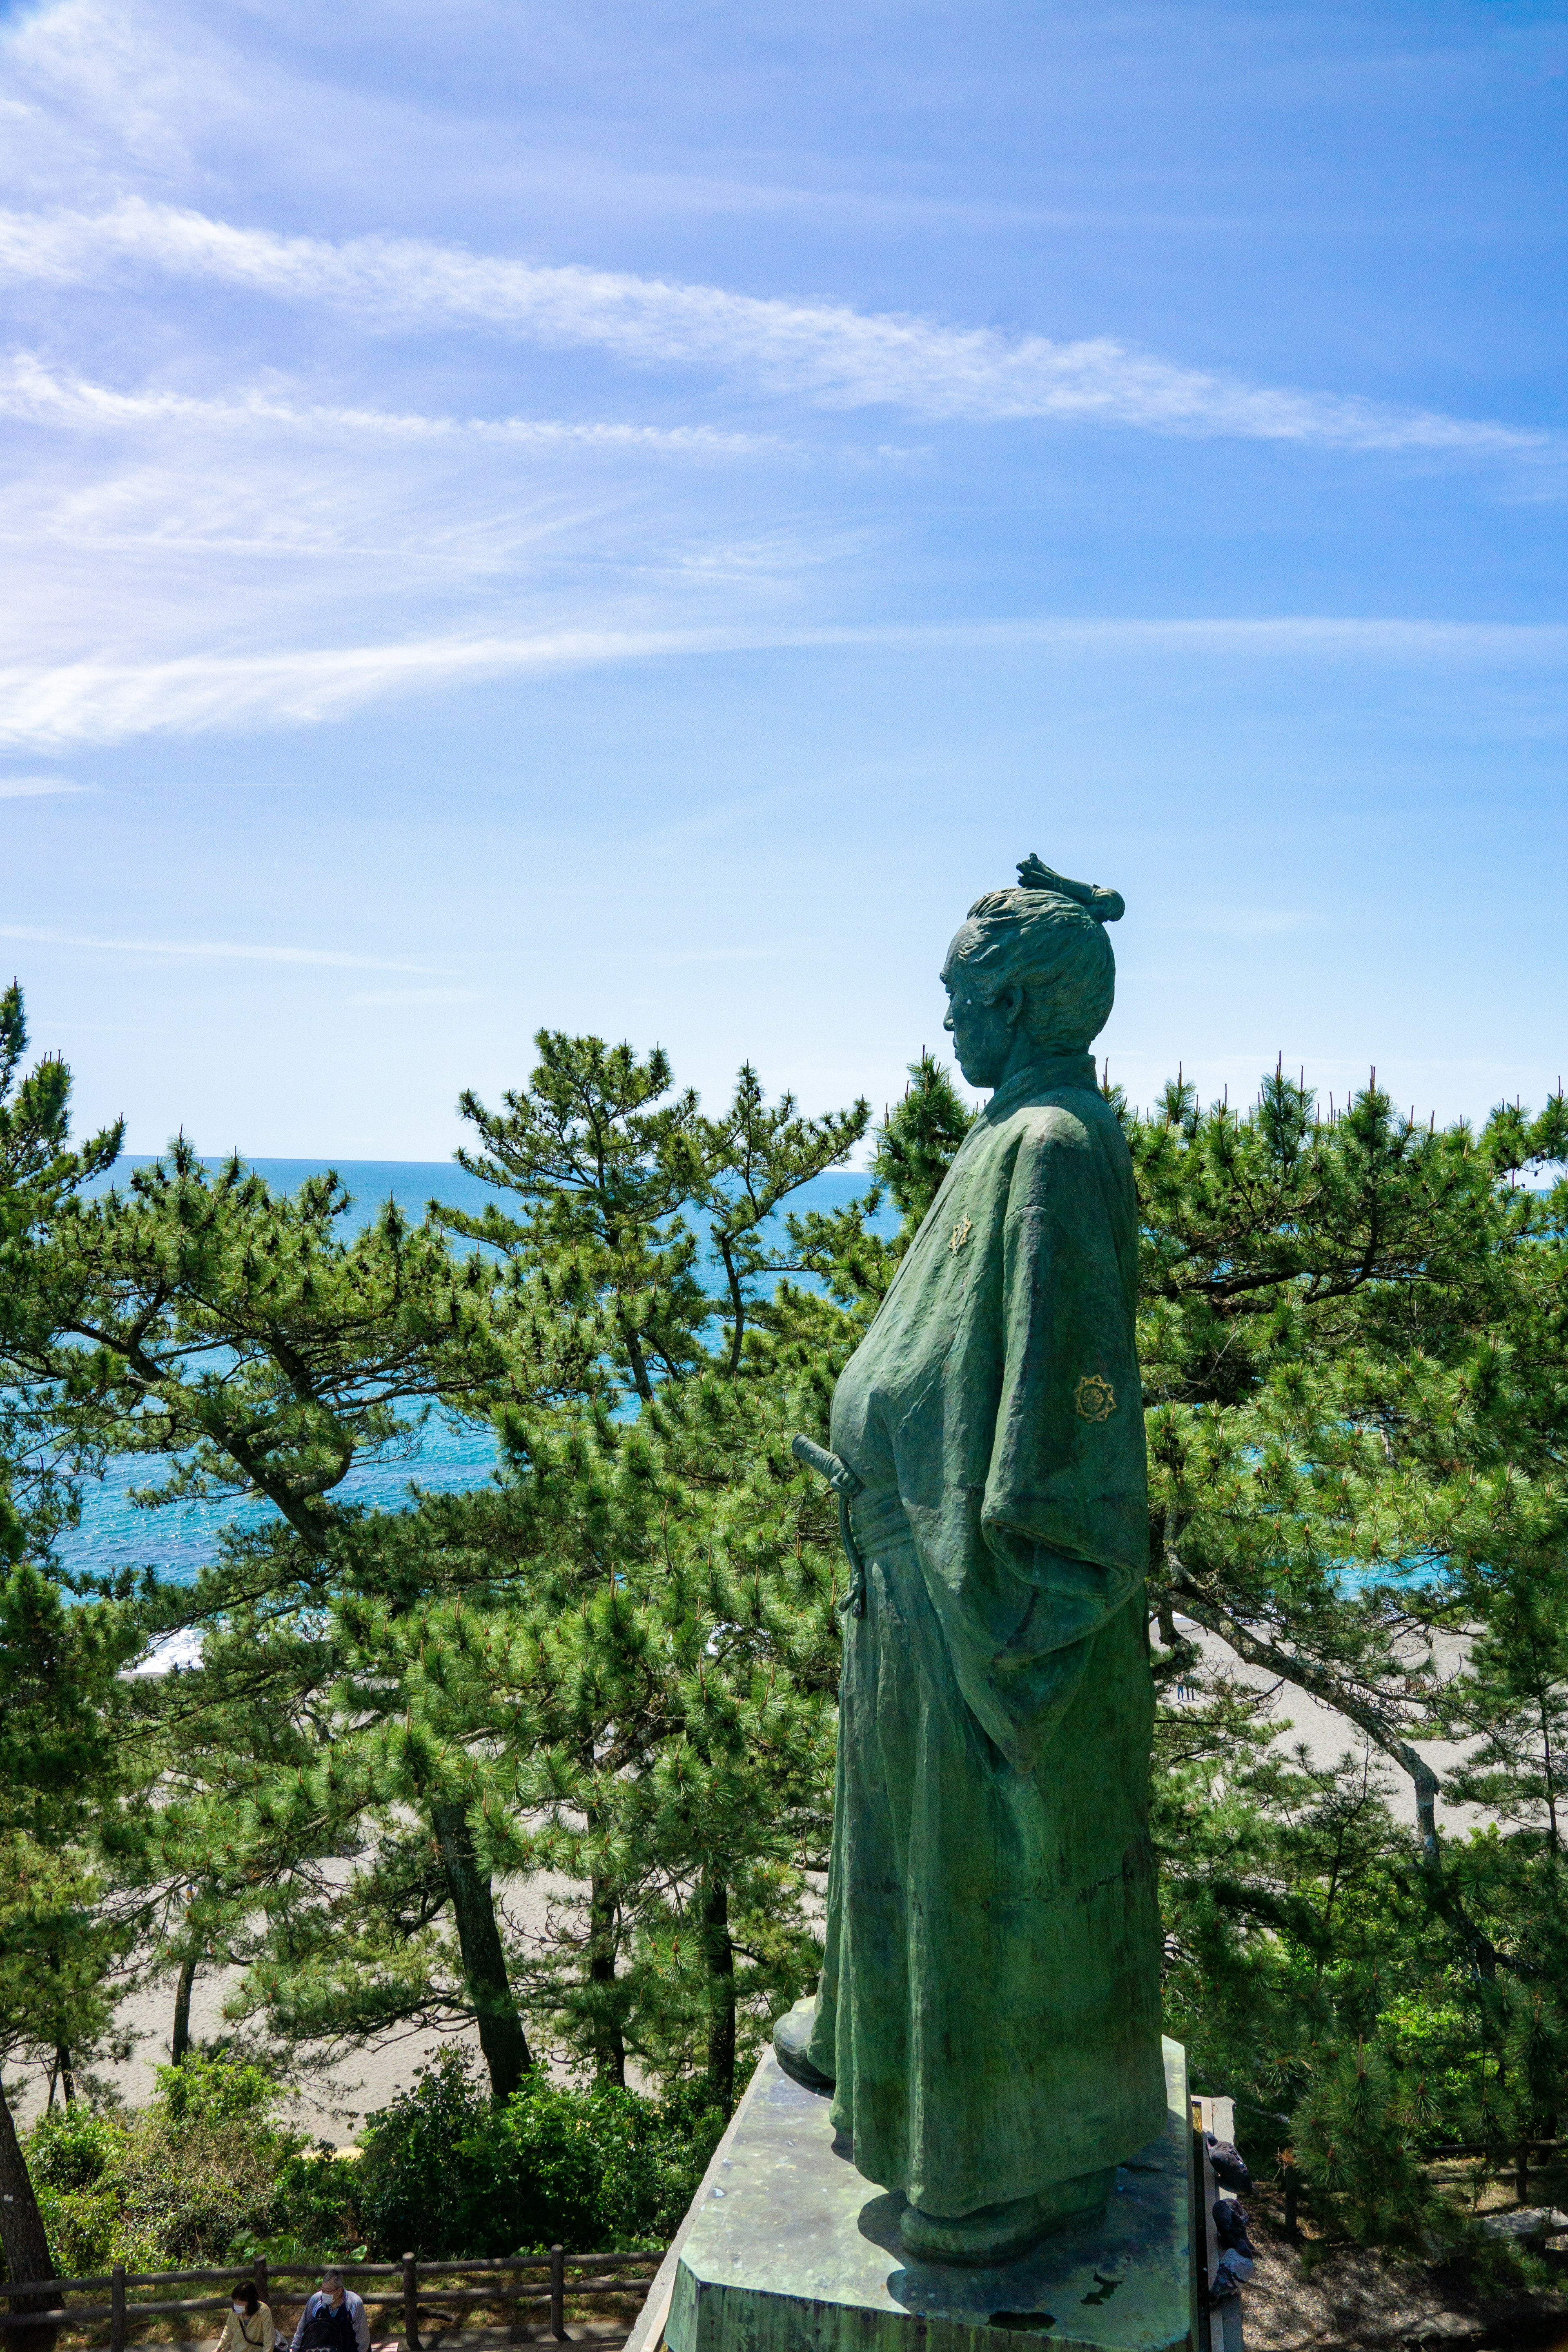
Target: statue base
{"x": 786, "y": 2248}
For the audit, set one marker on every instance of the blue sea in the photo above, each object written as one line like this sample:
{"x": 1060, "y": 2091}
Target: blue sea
{"x": 179, "y": 1540}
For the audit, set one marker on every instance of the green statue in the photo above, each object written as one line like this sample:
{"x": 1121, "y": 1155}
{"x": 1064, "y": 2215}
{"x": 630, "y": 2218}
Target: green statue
{"x": 988, "y": 2019}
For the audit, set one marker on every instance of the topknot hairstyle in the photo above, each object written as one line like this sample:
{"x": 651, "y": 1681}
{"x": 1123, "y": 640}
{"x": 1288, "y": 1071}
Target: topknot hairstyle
{"x": 1047, "y": 936}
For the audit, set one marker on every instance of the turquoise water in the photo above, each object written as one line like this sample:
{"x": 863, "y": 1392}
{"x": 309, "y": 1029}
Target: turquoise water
{"x": 179, "y": 1540}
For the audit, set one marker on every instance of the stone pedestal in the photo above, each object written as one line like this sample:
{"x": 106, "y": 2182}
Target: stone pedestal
{"x": 787, "y": 2249}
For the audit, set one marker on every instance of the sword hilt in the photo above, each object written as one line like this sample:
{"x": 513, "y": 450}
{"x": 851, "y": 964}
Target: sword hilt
{"x": 838, "y": 1474}
{"x": 846, "y": 1486}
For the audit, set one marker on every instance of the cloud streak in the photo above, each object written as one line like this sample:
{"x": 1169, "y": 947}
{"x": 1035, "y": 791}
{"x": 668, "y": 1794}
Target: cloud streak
{"x": 36, "y": 394}
{"x": 209, "y": 950}
{"x": 37, "y": 788}
{"x": 105, "y": 702}
{"x": 402, "y": 998}
{"x": 826, "y": 353}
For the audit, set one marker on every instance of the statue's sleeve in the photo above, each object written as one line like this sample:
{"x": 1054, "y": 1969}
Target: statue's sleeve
{"x": 1065, "y": 1505}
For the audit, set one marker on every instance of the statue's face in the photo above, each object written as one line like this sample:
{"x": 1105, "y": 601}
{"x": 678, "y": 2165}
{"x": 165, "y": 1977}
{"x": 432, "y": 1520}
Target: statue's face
{"x": 983, "y": 1033}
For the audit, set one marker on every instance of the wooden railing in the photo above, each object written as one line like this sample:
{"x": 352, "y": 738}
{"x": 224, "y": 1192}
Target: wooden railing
{"x": 630, "y": 2274}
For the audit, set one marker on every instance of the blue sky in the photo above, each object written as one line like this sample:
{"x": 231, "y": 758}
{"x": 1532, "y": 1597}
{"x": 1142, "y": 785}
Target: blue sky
{"x": 631, "y": 518}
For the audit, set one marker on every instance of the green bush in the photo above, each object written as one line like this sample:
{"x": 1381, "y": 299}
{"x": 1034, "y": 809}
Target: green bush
{"x": 204, "y": 2175}
{"x": 410, "y": 2196}
{"x": 78, "y": 2163}
{"x": 205, "y": 2190}
{"x": 191, "y": 2181}
{"x": 316, "y": 2208}
{"x": 1357, "y": 2141}
{"x": 206, "y": 2089}
{"x": 75, "y": 2147}
{"x": 582, "y": 2169}
{"x": 445, "y": 2173}
{"x": 88, "y": 2235}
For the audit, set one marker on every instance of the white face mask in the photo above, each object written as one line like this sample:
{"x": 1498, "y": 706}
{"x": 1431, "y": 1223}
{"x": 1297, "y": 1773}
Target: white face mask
{"x": 239, "y": 2310}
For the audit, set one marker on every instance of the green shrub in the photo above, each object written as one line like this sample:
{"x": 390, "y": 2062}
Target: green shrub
{"x": 1357, "y": 2142}
{"x": 75, "y": 2147}
{"x": 316, "y": 2208}
{"x": 583, "y": 2168}
{"x": 87, "y": 2233}
{"x": 208, "y": 2088}
{"x": 445, "y": 2173}
{"x": 410, "y": 2195}
{"x": 191, "y": 2179}
{"x": 76, "y": 2159}
{"x": 205, "y": 2175}
{"x": 205, "y": 2190}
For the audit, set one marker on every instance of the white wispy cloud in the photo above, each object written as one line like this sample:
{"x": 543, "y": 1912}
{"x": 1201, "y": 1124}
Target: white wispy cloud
{"x": 108, "y": 701}
{"x": 36, "y": 788}
{"x": 396, "y": 998}
{"x": 208, "y": 950}
{"x": 828, "y": 354}
{"x": 31, "y": 390}
{"x": 104, "y": 702}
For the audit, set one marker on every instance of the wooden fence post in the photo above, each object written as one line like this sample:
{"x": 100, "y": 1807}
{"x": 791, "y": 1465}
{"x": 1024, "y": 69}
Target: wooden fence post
{"x": 558, "y": 2294}
{"x": 410, "y": 2304}
{"x": 258, "y": 2272}
{"x": 117, "y": 2308}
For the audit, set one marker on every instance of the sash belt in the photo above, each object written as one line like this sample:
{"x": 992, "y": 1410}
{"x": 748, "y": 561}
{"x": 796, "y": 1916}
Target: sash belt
{"x": 879, "y": 1520}
{"x": 870, "y": 1518}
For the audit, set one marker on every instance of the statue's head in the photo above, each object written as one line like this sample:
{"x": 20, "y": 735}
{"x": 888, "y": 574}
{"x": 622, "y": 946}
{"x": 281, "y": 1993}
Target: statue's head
{"x": 1033, "y": 966}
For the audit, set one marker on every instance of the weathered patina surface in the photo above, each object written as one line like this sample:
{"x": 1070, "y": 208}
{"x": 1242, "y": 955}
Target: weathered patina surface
{"x": 787, "y": 2249}
{"x": 989, "y": 2007}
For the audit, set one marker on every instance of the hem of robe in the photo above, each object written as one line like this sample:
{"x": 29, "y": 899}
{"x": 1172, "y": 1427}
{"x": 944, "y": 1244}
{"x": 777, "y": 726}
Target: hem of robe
{"x": 1098, "y": 2092}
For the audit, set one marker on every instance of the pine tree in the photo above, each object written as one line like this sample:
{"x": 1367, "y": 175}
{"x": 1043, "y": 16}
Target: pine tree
{"x": 67, "y": 1776}
{"x": 237, "y": 1336}
{"x": 61, "y": 1783}
{"x": 918, "y": 1140}
{"x": 618, "y": 1663}
{"x": 633, "y": 1505}
{"x": 623, "y": 1315}
{"x": 1511, "y": 1697}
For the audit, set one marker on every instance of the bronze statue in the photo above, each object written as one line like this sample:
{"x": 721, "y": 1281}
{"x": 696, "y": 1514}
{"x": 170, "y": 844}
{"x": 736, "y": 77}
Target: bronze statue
{"x": 988, "y": 2019}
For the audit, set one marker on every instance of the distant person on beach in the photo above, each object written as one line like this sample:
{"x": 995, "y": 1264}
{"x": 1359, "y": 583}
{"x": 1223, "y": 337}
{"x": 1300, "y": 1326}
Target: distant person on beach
{"x": 248, "y": 2325}
{"x": 333, "y": 2319}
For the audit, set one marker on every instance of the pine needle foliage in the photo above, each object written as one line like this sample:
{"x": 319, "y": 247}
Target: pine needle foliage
{"x": 551, "y": 1760}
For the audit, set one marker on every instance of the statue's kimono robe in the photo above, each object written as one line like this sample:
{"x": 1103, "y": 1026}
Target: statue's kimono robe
{"x": 989, "y": 2006}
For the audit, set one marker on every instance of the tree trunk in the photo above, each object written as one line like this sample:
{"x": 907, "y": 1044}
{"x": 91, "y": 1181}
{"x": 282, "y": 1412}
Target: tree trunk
{"x": 23, "y": 2237}
{"x": 639, "y": 1363}
{"x": 609, "y": 2045}
{"x": 501, "y": 2037}
{"x": 180, "y": 2040}
{"x": 718, "y": 1958}
{"x": 1293, "y": 2192}
{"x": 1311, "y": 1678}
{"x": 65, "y": 2073}
{"x": 1363, "y": 1714}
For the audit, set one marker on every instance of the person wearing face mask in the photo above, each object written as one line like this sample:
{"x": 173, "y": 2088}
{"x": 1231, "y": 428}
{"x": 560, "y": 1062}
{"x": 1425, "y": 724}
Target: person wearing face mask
{"x": 333, "y": 2320}
{"x": 249, "y": 2325}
